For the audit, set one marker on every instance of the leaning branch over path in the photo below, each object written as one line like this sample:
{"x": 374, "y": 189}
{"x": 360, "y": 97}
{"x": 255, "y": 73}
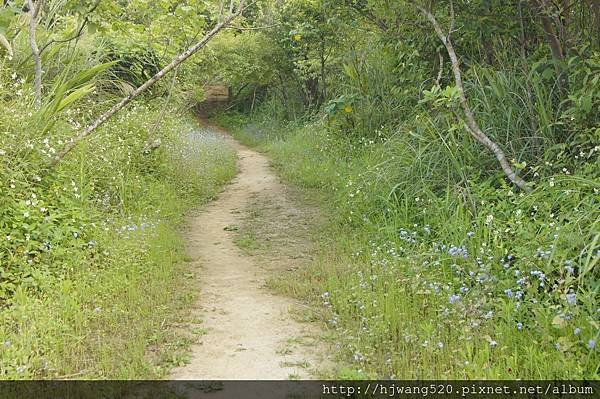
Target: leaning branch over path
{"x": 34, "y": 11}
{"x": 126, "y": 100}
{"x": 471, "y": 123}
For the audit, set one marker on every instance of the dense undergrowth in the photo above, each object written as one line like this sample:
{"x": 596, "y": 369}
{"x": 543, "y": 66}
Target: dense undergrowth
{"x": 438, "y": 274}
{"x": 93, "y": 271}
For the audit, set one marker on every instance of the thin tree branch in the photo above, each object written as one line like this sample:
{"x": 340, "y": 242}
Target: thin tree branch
{"x": 470, "y": 122}
{"x": 369, "y": 15}
{"x": 441, "y": 71}
{"x": 253, "y": 27}
{"x": 79, "y": 31}
{"x": 126, "y": 100}
{"x": 452, "y": 19}
{"x": 76, "y": 36}
{"x": 34, "y": 10}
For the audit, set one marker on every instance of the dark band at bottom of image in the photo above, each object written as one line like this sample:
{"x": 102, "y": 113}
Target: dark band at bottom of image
{"x": 300, "y": 389}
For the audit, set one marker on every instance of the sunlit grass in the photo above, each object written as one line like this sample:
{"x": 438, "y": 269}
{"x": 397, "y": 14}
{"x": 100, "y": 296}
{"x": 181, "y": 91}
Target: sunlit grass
{"x": 425, "y": 274}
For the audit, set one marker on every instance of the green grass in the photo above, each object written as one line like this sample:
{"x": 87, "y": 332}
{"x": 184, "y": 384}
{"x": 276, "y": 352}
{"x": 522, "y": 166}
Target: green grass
{"x": 106, "y": 296}
{"x": 391, "y": 278}
{"x": 247, "y": 242}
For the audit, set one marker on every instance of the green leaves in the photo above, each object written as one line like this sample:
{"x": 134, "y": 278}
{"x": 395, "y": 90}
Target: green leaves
{"x": 448, "y": 97}
{"x": 340, "y": 104}
{"x": 74, "y": 89}
{"x": 75, "y": 95}
{"x": 350, "y": 72}
{"x": 6, "y": 17}
{"x": 87, "y": 75}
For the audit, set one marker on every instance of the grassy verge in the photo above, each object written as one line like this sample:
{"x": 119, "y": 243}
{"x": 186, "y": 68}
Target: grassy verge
{"x": 431, "y": 280}
{"x": 94, "y": 274}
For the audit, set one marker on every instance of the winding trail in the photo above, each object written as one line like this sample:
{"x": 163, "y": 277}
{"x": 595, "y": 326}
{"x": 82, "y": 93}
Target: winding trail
{"x": 249, "y": 332}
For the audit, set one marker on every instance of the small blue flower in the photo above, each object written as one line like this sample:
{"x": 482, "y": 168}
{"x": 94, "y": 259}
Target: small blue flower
{"x": 571, "y": 299}
{"x": 568, "y": 316}
{"x": 577, "y": 331}
{"x": 461, "y": 251}
{"x": 453, "y": 299}
{"x": 591, "y": 344}
{"x": 519, "y": 294}
{"x": 557, "y": 345}
{"x": 519, "y": 326}
{"x": 509, "y": 293}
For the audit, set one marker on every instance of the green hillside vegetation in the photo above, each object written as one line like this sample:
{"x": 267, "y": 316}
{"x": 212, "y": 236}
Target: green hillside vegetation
{"x": 455, "y": 146}
{"x": 91, "y": 262}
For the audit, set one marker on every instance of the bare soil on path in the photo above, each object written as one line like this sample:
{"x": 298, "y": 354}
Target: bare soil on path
{"x": 249, "y": 333}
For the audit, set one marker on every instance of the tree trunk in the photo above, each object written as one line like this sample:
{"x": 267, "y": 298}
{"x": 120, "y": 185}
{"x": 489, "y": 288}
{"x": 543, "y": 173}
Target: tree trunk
{"x": 565, "y": 22}
{"x": 595, "y": 11}
{"x": 487, "y": 39}
{"x": 311, "y": 88}
{"x": 489, "y": 51}
{"x": 284, "y": 95}
{"x": 551, "y": 35}
{"x": 553, "y": 40}
{"x": 323, "y": 65}
{"x": 253, "y": 101}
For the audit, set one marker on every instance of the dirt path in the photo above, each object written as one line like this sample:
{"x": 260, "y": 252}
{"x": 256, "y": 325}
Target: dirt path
{"x": 249, "y": 333}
